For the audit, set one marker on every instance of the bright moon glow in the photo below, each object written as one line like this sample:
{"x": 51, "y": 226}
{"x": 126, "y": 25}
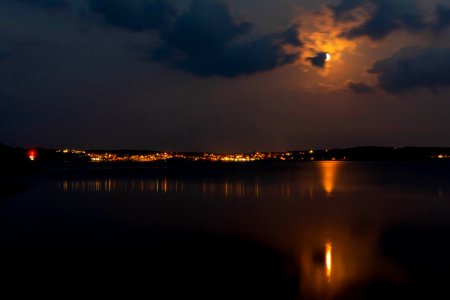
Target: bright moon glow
{"x": 328, "y": 57}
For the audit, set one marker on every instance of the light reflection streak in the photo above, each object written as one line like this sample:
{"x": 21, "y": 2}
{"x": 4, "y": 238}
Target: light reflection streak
{"x": 166, "y": 185}
{"x": 329, "y": 173}
{"x": 328, "y": 260}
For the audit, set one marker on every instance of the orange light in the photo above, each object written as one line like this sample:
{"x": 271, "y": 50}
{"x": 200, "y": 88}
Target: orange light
{"x": 328, "y": 260}
{"x": 329, "y": 170}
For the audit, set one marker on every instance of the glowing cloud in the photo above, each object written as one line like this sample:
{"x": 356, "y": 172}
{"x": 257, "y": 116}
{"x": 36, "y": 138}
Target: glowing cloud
{"x": 321, "y": 34}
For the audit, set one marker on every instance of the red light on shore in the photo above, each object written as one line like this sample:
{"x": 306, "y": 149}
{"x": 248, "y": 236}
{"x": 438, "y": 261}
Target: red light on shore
{"x": 32, "y": 154}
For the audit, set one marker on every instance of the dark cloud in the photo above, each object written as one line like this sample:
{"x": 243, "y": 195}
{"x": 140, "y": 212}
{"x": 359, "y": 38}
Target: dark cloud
{"x": 414, "y": 68}
{"x": 342, "y": 9}
{"x": 290, "y": 36}
{"x": 135, "y": 15}
{"x": 360, "y": 87}
{"x": 207, "y": 27}
{"x": 442, "y": 19}
{"x": 206, "y": 40}
{"x": 319, "y": 61}
{"x": 385, "y": 16}
{"x": 47, "y": 4}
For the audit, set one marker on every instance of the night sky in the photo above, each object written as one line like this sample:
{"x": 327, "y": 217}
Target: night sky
{"x": 240, "y": 75}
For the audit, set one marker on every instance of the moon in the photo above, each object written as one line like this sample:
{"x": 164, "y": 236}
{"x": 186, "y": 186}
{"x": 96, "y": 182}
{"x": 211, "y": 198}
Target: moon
{"x": 328, "y": 56}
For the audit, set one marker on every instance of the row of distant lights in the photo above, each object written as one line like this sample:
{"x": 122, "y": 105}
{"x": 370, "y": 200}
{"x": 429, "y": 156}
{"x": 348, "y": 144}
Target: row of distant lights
{"x": 32, "y": 155}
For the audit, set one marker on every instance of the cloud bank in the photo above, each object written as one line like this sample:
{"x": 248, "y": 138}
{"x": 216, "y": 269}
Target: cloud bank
{"x": 414, "y": 68}
{"x": 384, "y": 17}
{"x": 205, "y": 40}
{"x": 134, "y": 15}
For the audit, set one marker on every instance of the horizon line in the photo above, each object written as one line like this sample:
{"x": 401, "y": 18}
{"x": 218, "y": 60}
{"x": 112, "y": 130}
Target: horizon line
{"x": 203, "y": 151}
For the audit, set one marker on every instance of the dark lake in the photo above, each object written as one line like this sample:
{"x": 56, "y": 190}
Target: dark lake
{"x": 317, "y": 230}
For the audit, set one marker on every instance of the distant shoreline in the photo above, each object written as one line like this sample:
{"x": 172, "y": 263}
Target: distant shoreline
{"x": 35, "y": 159}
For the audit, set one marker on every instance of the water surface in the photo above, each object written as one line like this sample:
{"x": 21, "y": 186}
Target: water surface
{"x": 319, "y": 230}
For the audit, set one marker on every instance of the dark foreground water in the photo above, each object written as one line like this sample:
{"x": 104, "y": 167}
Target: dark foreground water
{"x": 323, "y": 230}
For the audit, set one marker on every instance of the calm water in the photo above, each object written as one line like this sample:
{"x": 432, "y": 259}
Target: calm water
{"x": 323, "y": 230}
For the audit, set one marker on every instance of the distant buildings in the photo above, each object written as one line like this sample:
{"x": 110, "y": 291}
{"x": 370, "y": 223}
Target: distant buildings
{"x": 359, "y": 153}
